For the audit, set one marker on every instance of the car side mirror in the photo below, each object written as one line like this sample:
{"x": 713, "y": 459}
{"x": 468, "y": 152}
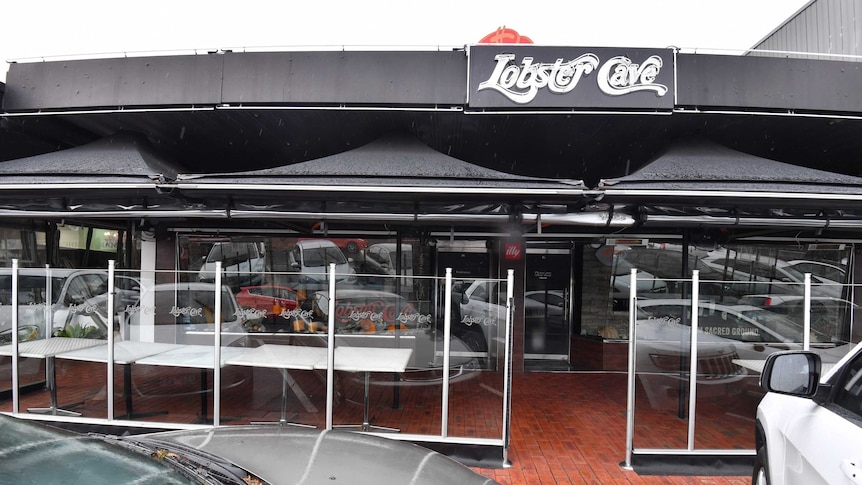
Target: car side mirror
{"x": 793, "y": 373}
{"x": 464, "y": 299}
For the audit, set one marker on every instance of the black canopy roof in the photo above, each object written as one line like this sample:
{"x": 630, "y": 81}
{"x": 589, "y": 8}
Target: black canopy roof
{"x": 393, "y": 163}
{"x": 699, "y": 182}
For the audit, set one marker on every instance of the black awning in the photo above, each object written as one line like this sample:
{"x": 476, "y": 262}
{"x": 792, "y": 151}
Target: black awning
{"x": 700, "y": 172}
{"x": 124, "y": 158}
{"x": 391, "y": 165}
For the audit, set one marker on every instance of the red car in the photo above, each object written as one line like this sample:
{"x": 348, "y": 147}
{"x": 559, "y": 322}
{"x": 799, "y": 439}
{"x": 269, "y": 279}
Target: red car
{"x": 270, "y": 299}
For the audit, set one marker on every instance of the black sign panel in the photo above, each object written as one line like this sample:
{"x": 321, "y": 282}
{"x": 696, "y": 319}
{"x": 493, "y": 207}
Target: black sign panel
{"x": 531, "y": 77}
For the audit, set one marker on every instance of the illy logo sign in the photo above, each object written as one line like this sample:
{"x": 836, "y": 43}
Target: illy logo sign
{"x": 512, "y": 251}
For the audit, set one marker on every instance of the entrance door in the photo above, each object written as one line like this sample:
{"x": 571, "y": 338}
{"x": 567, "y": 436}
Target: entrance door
{"x": 547, "y": 308}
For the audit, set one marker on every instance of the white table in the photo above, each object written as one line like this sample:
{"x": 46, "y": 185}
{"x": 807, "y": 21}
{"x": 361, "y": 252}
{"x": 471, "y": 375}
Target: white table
{"x": 368, "y": 360}
{"x": 195, "y": 357}
{"x": 282, "y": 357}
{"x": 47, "y": 349}
{"x": 126, "y": 352}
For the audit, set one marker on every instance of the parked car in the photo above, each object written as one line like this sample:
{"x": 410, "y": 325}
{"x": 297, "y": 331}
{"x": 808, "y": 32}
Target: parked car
{"x": 310, "y": 259}
{"x": 269, "y": 299}
{"x": 243, "y": 263}
{"x": 382, "y": 259}
{"x": 809, "y": 424}
{"x": 828, "y": 314}
{"x": 70, "y": 299}
{"x": 770, "y": 275}
{"x": 351, "y": 245}
{"x": 725, "y": 333}
{"x": 826, "y": 271}
{"x": 648, "y": 284}
{"x": 545, "y": 306}
{"x": 185, "y": 313}
{"x": 37, "y": 453}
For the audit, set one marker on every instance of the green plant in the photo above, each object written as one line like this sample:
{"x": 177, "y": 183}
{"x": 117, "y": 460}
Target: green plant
{"x": 74, "y": 330}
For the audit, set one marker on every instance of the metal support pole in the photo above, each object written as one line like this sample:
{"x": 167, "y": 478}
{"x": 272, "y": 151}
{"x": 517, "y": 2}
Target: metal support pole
{"x": 110, "y": 324}
{"x": 806, "y": 314}
{"x": 692, "y": 372}
{"x": 330, "y": 348}
{"x": 507, "y": 376}
{"x": 15, "y": 389}
{"x": 217, "y": 348}
{"x": 447, "y": 333}
{"x": 630, "y": 392}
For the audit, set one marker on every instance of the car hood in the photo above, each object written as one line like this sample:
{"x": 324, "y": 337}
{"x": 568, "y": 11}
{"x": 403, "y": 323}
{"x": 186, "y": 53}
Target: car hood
{"x": 289, "y": 455}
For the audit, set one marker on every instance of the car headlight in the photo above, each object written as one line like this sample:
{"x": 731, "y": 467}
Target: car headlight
{"x": 25, "y": 333}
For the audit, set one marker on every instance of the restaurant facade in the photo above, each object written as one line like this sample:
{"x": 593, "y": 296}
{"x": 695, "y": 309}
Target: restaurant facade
{"x": 428, "y": 223}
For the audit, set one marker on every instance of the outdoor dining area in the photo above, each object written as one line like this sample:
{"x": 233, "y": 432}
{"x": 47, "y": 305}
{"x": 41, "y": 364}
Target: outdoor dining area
{"x": 146, "y": 374}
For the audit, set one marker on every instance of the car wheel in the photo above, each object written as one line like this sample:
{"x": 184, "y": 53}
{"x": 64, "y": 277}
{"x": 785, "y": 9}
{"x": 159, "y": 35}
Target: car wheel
{"x": 474, "y": 341}
{"x": 352, "y": 247}
{"x": 760, "y": 475}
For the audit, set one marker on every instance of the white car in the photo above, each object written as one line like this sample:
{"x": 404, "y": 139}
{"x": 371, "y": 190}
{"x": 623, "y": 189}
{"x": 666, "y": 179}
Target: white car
{"x": 725, "y": 333}
{"x": 185, "y": 313}
{"x": 72, "y": 298}
{"x": 311, "y": 258}
{"x": 809, "y": 429}
{"x": 243, "y": 264}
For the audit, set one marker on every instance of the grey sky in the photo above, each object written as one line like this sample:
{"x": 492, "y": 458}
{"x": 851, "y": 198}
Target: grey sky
{"x": 49, "y": 28}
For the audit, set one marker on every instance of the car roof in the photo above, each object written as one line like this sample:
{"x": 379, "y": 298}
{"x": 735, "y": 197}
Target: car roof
{"x": 325, "y": 456}
{"x": 351, "y": 293}
{"x": 316, "y": 243}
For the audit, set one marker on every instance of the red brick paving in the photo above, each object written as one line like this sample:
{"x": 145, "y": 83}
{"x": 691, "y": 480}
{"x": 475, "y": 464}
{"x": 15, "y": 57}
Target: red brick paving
{"x": 567, "y": 428}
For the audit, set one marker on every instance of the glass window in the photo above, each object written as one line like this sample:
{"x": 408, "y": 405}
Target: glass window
{"x": 849, "y": 394}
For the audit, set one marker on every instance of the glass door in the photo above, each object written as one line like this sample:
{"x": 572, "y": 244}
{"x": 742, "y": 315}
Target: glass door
{"x": 547, "y": 308}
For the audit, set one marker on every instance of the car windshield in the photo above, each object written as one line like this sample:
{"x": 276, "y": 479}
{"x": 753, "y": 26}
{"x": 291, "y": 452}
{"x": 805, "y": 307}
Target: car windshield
{"x": 31, "y": 289}
{"x": 779, "y": 324}
{"x": 315, "y": 257}
{"x": 33, "y": 453}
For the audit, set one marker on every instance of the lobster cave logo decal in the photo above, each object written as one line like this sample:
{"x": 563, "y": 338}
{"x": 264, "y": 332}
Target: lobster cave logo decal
{"x": 617, "y": 76}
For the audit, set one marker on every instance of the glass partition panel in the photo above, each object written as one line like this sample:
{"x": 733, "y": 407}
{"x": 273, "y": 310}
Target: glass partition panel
{"x": 477, "y": 378}
{"x": 32, "y": 309}
{"x": 733, "y": 341}
{"x": 171, "y": 331}
{"x": 384, "y": 349}
{"x": 662, "y": 366}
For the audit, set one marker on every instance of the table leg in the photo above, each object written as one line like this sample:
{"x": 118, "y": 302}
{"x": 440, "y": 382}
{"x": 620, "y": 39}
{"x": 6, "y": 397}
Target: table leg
{"x": 50, "y": 381}
{"x": 283, "y": 420}
{"x": 202, "y": 417}
{"x": 366, "y": 421}
{"x": 127, "y": 396}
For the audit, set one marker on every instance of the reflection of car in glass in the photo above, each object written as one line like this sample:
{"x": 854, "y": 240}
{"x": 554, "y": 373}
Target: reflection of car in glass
{"x": 270, "y": 299}
{"x": 827, "y": 313}
{"x": 826, "y": 271}
{"x": 311, "y": 259}
{"x": 242, "y": 455}
{"x": 382, "y": 259}
{"x": 666, "y": 263}
{"x": 72, "y": 294}
{"x": 185, "y": 313}
{"x": 483, "y": 302}
{"x": 351, "y": 245}
{"x": 648, "y": 285}
{"x": 808, "y": 428}
{"x": 545, "y": 306}
{"x": 769, "y": 275}
{"x": 368, "y": 311}
{"x": 725, "y": 333}
{"x": 243, "y": 263}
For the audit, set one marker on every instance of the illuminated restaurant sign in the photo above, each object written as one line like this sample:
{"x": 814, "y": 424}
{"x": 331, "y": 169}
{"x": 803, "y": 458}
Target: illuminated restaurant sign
{"x": 528, "y": 76}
